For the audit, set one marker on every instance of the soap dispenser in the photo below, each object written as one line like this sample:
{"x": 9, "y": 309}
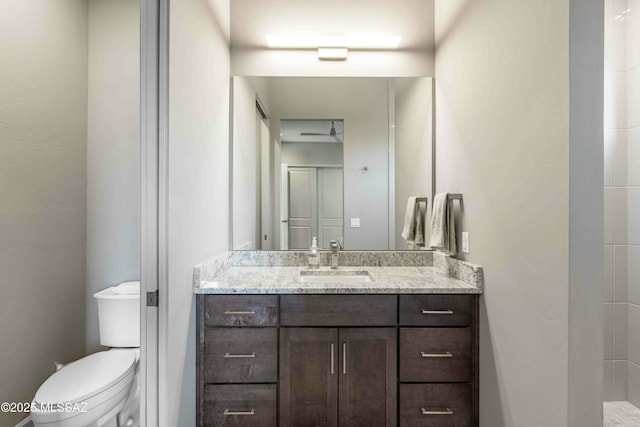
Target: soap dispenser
{"x": 314, "y": 258}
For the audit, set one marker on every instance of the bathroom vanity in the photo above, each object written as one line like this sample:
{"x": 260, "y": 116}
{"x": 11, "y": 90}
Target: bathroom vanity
{"x": 381, "y": 342}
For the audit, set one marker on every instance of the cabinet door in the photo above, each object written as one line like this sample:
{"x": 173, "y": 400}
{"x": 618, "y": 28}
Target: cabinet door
{"x": 368, "y": 372}
{"x": 308, "y": 377}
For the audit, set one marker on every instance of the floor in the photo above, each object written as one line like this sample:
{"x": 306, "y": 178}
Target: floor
{"x": 621, "y": 414}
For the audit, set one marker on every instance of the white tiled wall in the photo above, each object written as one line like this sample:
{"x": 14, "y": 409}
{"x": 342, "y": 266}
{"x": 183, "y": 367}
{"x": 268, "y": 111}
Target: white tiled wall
{"x": 621, "y": 290}
{"x": 632, "y": 58}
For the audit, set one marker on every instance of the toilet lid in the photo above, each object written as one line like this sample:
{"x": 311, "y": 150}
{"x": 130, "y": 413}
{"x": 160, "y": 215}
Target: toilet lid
{"x": 86, "y": 377}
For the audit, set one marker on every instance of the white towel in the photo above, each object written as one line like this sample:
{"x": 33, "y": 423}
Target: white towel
{"x": 413, "y": 231}
{"x": 443, "y": 227}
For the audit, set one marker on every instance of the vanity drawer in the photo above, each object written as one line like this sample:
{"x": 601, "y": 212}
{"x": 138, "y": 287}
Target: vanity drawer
{"x": 241, "y": 355}
{"x": 240, "y": 405}
{"x": 338, "y": 310}
{"x": 435, "y": 355}
{"x": 436, "y": 310}
{"x": 241, "y": 310}
{"x": 436, "y": 405}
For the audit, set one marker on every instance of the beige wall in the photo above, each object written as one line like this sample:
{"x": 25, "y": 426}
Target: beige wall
{"x": 503, "y": 140}
{"x": 246, "y": 162}
{"x": 413, "y": 149}
{"x": 311, "y": 153}
{"x": 113, "y": 151}
{"x": 278, "y": 62}
{"x": 43, "y": 134}
{"x": 198, "y": 184}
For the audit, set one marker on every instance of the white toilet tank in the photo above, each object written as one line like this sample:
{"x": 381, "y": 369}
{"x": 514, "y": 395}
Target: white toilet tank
{"x": 119, "y": 315}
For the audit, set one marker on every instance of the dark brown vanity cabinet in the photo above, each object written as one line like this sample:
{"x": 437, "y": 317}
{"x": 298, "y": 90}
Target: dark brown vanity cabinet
{"x": 331, "y": 377}
{"x": 337, "y": 360}
{"x": 438, "y": 359}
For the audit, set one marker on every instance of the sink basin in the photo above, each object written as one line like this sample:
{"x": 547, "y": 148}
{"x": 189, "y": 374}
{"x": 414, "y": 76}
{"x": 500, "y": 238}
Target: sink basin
{"x": 335, "y": 277}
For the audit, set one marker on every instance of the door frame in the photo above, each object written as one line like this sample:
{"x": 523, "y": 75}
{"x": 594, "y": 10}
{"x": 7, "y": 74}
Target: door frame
{"x": 154, "y": 92}
{"x": 284, "y": 207}
{"x": 265, "y": 237}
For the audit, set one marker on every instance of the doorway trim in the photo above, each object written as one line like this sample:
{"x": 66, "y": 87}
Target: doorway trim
{"x": 154, "y": 92}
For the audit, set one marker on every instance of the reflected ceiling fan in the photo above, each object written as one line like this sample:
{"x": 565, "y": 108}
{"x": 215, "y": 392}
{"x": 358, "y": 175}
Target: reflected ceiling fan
{"x": 332, "y": 132}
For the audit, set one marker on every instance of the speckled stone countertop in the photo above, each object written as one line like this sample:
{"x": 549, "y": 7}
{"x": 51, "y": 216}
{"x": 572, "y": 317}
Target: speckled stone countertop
{"x": 390, "y": 272}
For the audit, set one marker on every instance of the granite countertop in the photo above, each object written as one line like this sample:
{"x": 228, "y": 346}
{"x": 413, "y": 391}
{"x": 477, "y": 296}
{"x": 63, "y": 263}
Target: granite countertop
{"x": 390, "y": 272}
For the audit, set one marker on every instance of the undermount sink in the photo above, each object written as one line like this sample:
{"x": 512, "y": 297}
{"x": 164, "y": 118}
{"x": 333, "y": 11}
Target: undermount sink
{"x": 335, "y": 277}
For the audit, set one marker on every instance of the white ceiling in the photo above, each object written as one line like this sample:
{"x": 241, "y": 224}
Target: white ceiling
{"x": 290, "y": 130}
{"x": 253, "y": 20}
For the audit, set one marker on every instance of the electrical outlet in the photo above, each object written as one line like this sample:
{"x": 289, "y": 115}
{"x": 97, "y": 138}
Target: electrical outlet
{"x": 465, "y": 242}
{"x": 355, "y": 222}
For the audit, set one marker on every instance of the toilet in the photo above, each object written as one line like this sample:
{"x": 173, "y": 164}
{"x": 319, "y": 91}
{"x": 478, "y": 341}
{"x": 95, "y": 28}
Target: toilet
{"x": 102, "y": 389}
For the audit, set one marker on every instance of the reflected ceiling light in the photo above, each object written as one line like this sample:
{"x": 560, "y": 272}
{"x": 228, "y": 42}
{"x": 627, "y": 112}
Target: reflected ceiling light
{"x": 354, "y": 41}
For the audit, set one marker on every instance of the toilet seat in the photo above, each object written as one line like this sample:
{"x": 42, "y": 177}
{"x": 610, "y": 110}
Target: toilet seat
{"x": 92, "y": 387}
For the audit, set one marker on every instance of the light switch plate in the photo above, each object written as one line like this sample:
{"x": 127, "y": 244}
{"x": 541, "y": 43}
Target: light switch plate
{"x": 465, "y": 242}
{"x": 355, "y": 222}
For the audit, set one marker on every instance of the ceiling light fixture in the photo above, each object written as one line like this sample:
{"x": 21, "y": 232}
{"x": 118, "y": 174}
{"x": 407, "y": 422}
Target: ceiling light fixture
{"x": 353, "y": 41}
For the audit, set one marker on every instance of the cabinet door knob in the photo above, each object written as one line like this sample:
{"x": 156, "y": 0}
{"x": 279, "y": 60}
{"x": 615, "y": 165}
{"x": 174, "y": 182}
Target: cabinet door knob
{"x": 230, "y": 412}
{"x": 445, "y": 354}
{"x": 426, "y": 412}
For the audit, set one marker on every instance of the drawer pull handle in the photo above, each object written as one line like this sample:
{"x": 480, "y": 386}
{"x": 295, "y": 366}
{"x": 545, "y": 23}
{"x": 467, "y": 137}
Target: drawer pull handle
{"x": 332, "y": 363}
{"x": 238, "y": 356}
{"x": 449, "y": 312}
{"x": 229, "y": 412}
{"x": 445, "y": 354}
{"x": 239, "y": 312}
{"x": 447, "y": 412}
{"x": 344, "y": 358}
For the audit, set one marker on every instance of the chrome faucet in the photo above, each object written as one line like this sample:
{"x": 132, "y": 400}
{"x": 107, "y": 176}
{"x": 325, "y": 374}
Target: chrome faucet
{"x": 334, "y": 254}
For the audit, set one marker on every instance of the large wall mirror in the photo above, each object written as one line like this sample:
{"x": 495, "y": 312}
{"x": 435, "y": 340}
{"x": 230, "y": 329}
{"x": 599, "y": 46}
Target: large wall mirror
{"x": 335, "y": 158}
